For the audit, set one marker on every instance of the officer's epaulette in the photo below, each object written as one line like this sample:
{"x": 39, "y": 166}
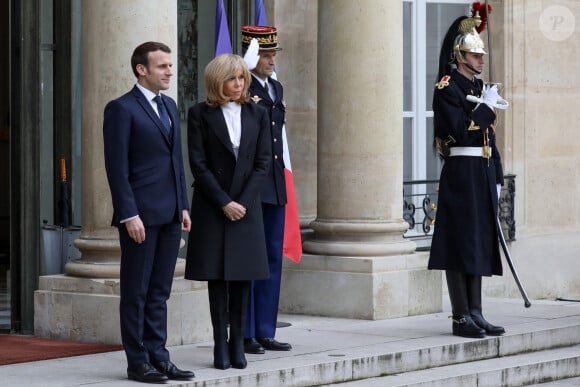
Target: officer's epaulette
{"x": 444, "y": 82}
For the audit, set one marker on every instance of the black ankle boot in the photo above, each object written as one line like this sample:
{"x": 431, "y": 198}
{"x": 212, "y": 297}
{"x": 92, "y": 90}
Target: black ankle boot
{"x": 238, "y": 356}
{"x": 221, "y": 355}
{"x": 491, "y": 330}
{"x": 465, "y": 327}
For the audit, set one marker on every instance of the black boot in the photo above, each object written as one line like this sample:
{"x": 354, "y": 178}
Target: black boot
{"x": 475, "y": 309}
{"x": 239, "y": 291}
{"x": 465, "y": 327}
{"x": 462, "y": 325}
{"x": 218, "y": 302}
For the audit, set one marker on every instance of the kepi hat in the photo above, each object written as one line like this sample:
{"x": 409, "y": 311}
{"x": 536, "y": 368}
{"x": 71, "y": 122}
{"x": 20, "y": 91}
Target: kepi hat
{"x": 266, "y": 36}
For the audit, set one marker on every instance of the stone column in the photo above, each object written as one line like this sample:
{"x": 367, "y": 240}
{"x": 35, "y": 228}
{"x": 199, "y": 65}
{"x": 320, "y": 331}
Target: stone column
{"x": 357, "y": 264}
{"x": 83, "y": 305}
{"x": 111, "y": 30}
{"x": 296, "y": 69}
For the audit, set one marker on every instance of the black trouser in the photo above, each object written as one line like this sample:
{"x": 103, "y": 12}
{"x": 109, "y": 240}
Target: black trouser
{"x": 232, "y": 297}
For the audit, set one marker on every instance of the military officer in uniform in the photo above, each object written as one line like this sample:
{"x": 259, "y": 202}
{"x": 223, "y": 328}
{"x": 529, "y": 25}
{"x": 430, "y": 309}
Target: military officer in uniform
{"x": 267, "y": 92}
{"x": 465, "y": 240}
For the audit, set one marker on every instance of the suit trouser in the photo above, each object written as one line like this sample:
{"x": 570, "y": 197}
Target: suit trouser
{"x": 265, "y": 294}
{"x": 147, "y": 271}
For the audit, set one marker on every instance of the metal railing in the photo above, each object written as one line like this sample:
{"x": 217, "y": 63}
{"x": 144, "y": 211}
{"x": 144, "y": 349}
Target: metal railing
{"x": 420, "y": 205}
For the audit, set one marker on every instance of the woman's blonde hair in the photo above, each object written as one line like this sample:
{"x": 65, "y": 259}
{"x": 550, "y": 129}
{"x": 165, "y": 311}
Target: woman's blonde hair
{"x": 219, "y": 70}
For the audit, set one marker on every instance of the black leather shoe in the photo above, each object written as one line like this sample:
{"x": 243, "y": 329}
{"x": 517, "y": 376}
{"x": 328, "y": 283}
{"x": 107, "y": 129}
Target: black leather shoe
{"x": 253, "y": 347}
{"x": 169, "y": 369}
{"x": 465, "y": 327}
{"x": 272, "y": 345}
{"x": 145, "y": 373}
{"x": 491, "y": 330}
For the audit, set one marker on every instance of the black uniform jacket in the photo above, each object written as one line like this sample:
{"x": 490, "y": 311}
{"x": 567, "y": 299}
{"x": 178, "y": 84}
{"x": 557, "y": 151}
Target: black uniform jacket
{"x": 274, "y": 190}
{"x": 465, "y": 237}
{"x": 219, "y": 248}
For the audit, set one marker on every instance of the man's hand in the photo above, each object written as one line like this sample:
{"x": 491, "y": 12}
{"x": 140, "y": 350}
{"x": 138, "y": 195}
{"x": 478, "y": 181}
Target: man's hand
{"x": 252, "y": 56}
{"x": 234, "y": 211}
{"x": 491, "y": 98}
{"x": 186, "y": 223}
{"x": 136, "y": 230}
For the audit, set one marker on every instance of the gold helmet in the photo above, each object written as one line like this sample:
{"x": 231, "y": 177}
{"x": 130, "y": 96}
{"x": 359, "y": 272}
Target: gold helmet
{"x": 463, "y": 36}
{"x": 468, "y": 39}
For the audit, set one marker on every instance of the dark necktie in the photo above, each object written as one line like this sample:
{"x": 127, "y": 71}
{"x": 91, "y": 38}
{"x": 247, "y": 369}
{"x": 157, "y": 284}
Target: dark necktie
{"x": 163, "y": 113}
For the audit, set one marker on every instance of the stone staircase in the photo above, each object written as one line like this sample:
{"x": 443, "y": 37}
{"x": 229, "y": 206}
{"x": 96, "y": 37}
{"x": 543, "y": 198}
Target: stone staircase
{"x": 530, "y": 358}
{"x": 541, "y": 345}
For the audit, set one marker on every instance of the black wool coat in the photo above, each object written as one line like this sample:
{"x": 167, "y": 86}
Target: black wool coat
{"x": 465, "y": 237}
{"x": 219, "y": 248}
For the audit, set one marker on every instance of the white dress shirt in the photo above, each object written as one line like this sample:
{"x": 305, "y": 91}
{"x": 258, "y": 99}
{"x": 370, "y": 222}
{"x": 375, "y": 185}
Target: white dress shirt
{"x": 232, "y": 112}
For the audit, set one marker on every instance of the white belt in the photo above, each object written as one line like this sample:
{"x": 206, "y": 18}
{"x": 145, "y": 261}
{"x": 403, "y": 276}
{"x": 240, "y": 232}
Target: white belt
{"x": 476, "y": 151}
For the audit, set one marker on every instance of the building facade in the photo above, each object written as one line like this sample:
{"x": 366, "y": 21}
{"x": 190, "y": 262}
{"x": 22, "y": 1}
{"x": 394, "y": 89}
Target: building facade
{"x": 358, "y": 80}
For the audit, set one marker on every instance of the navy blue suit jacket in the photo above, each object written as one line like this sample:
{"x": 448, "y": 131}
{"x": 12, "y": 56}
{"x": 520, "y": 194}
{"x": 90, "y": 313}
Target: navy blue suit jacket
{"x": 144, "y": 163}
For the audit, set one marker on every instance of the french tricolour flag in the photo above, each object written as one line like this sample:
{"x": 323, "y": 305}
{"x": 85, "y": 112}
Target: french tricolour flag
{"x": 292, "y": 238}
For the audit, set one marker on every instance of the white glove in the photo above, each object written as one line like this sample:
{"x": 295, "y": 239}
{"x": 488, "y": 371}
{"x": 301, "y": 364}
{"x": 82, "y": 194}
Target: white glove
{"x": 491, "y": 98}
{"x": 498, "y": 187}
{"x": 252, "y": 56}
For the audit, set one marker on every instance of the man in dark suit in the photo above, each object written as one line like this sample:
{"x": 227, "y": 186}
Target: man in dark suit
{"x": 265, "y": 294}
{"x": 144, "y": 164}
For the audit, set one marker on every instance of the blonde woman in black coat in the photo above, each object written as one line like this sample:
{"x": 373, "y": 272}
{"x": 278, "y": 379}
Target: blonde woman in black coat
{"x": 229, "y": 154}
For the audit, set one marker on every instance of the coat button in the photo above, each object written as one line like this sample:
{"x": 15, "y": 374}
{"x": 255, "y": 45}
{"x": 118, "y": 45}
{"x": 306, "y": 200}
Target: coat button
{"x": 275, "y": 157}
{"x": 273, "y": 123}
{"x": 275, "y": 139}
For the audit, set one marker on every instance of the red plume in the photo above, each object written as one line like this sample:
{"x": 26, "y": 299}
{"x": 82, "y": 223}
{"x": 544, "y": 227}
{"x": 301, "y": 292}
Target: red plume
{"x": 479, "y": 6}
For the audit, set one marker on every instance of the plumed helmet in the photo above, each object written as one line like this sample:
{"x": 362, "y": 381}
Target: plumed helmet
{"x": 463, "y": 36}
{"x": 468, "y": 39}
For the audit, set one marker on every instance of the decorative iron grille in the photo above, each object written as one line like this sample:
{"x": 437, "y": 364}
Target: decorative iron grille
{"x": 420, "y": 205}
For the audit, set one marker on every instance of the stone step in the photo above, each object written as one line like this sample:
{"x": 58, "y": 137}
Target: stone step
{"x": 550, "y": 349}
{"x": 516, "y": 370}
{"x": 569, "y": 382}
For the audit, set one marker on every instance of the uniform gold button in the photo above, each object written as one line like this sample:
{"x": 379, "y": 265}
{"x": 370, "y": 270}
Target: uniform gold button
{"x": 273, "y": 123}
{"x": 275, "y": 157}
{"x": 275, "y": 140}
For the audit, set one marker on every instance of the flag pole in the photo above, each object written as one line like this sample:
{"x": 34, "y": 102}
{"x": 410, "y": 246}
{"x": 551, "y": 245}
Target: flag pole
{"x": 489, "y": 40}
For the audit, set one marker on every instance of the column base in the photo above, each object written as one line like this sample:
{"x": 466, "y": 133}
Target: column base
{"x": 372, "y": 288}
{"x": 87, "y": 310}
